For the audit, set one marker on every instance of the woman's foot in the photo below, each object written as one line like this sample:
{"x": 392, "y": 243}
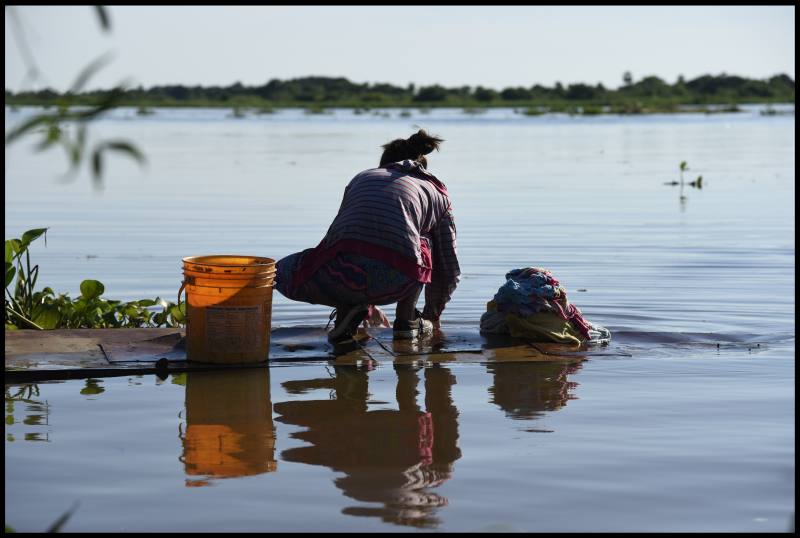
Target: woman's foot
{"x": 346, "y": 324}
{"x": 406, "y": 329}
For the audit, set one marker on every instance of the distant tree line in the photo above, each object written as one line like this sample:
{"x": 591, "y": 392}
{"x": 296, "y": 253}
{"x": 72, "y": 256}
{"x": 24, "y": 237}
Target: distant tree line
{"x": 338, "y": 91}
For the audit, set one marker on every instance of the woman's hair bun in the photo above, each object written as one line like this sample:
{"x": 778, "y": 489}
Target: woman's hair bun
{"x": 422, "y": 143}
{"x": 414, "y": 147}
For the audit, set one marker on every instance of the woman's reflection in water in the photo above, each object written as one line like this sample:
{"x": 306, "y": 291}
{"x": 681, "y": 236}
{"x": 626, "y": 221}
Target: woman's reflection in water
{"x": 525, "y": 390}
{"x": 388, "y": 457}
{"x": 229, "y": 428}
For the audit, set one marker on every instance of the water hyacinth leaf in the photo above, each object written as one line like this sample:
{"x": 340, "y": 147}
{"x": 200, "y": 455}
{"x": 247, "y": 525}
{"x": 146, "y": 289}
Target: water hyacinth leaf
{"x": 177, "y": 312}
{"x": 14, "y": 248}
{"x": 10, "y": 271}
{"x": 31, "y": 235}
{"x": 10, "y": 251}
{"x": 91, "y": 289}
{"x": 46, "y": 316}
{"x": 146, "y": 302}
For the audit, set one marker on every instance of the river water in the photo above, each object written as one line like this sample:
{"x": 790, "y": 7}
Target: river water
{"x": 689, "y": 426}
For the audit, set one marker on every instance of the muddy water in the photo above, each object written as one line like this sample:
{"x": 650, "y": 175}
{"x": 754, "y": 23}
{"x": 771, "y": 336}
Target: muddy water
{"x": 666, "y": 432}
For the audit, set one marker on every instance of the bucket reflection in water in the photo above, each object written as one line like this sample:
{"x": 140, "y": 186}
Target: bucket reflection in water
{"x": 229, "y": 430}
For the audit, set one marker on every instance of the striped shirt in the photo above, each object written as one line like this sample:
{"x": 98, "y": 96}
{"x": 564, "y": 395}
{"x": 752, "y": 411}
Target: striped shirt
{"x": 400, "y": 214}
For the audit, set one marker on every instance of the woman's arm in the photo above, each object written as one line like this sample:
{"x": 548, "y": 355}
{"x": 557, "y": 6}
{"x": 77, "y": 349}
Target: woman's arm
{"x": 446, "y": 270}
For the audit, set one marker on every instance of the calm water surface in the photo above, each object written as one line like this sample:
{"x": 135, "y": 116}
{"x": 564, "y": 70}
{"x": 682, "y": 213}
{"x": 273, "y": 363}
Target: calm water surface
{"x": 666, "y": 432}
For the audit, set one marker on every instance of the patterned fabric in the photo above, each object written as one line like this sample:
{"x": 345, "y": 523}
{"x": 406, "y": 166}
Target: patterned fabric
{"x": 400, "y": 215}
{"x": 347, "y": 279}
{"x": 532, "y": 304}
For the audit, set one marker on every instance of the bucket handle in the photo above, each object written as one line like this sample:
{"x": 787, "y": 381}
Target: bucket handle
{"x": 188, "y": 280}
{"x": 180, "y": 291}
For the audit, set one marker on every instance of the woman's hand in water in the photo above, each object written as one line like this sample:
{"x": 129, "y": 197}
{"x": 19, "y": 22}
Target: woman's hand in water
{"x": 376, "y": 318}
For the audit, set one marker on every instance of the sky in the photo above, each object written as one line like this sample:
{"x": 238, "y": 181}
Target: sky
{"x": 495, "y": 47}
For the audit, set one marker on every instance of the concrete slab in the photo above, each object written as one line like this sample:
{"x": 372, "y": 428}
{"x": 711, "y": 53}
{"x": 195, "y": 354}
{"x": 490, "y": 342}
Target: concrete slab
{"x": 80, "y": 353}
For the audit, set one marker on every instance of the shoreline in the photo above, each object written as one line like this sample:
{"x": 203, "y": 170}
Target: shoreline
{"x": 241, "y": 110}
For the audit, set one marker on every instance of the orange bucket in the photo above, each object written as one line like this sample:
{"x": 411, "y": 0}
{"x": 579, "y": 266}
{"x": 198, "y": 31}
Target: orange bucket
{"x": 228, "y": 308}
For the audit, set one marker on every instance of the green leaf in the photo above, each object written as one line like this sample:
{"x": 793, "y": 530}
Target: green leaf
{"x": 684, "y": 166}
{"x": 89, "y": 71}
{"x": 46, "y": 316}
{"x": 90, "y": 289}
{"x": 10, "y": 271}
{"x": 22, "y": 129}
{"x": 53, "y": 136}
{"x": 31, "y": 235}
{"x": 102, "y": 16}
{"x": 177, "y": 312}
{"x": 125, "y": 147}
{"x": 97, "y": 162}
{"x": 13, "y": 249}
{"x": 146, "y": 302}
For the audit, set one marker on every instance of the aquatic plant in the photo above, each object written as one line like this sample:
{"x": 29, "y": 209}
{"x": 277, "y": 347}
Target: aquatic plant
{"x": 405, "y": 114}
{"x": 237, "y": 112}
{"x": 315, "y": 109}
{"x": 589, "y": 110}
{"x": 144, "y": 111}
{"x": 26, "y": 308}
{"x": 533, "y": 111}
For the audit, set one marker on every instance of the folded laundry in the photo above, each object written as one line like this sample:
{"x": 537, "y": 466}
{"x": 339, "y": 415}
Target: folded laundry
{"x": 532, "y": 304}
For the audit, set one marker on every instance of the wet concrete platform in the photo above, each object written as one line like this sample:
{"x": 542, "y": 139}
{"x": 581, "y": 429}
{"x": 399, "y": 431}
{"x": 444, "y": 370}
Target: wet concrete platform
{"x": 80, "y": 353}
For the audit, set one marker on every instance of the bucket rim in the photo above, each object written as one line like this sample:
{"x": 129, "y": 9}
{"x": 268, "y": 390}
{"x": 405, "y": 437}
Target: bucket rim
{"x": 198, "y": 260}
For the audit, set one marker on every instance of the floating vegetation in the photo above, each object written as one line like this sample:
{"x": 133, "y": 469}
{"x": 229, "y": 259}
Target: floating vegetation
{"x": 424, "y": 110}
{"x": 315, "y": 109}
{"x": 26, "y": 308}
{"x": 405, "y": 114}
{"x": 265, "y": 110}
{"x": 722, "y": 109}
{"x": 591, "y": 110}
{"x": 237, "y": 112}
{"x": 473, "y": 110}
{"x": 696, "y": 184}
{"x": 628, "y": 108}
{"x": 534, "y": 111}
{"x": 144, "y": 111}
{"x": 769, "y": 110}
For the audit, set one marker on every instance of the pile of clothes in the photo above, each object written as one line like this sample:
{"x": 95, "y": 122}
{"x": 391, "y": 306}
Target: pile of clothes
{"x": 532, "y": 305}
